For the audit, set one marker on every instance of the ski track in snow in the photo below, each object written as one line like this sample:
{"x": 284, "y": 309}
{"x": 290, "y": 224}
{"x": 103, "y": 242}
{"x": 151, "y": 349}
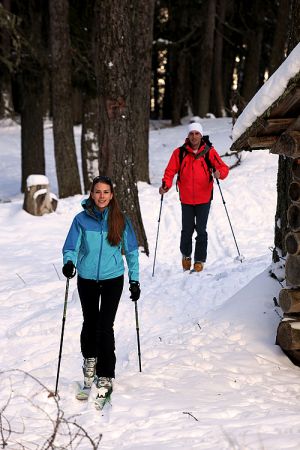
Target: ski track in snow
{"x": 212, "y": 377}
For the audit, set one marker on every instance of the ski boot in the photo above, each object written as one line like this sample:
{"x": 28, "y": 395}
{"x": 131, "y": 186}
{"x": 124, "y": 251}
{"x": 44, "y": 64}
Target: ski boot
{"x": 89, "y": 371}
{"x": 104, "y": 390}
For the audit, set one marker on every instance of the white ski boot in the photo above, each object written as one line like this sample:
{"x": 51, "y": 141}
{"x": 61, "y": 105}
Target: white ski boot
{"x": 89, "y": 371}
{"x": 104, "y": 390}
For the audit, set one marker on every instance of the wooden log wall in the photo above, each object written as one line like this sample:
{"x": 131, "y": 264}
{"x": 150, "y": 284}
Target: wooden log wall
{"x": 288, "y": 332}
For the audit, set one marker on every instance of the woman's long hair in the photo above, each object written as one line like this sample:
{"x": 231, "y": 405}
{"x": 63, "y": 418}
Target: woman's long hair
{"x": 116, "y": 219}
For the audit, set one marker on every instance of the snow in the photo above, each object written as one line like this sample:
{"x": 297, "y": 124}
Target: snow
{"x": 34, "y": 180}
{"x": 212, "y": 376}
{"x": 268, "y": 93}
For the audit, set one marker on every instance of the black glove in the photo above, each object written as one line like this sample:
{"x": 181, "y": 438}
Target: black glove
{"x": 69, "y": 270}
{"x": 135, "y": 290}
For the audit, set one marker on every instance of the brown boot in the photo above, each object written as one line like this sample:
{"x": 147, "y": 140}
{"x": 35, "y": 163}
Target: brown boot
{"x": 198, "y": 266}
{"x": 186, "y": 263}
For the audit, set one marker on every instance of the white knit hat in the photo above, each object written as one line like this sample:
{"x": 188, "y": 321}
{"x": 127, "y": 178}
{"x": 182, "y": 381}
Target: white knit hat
{"x": 195, "y": 126}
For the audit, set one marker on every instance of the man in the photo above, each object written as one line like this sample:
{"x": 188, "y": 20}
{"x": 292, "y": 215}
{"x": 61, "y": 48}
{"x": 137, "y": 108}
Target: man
{"x": 194, "y": 162}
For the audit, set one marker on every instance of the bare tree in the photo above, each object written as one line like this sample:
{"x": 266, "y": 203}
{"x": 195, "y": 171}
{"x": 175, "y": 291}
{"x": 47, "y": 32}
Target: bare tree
{"x": 64, "y": 144}
{"x": 253, "y": 22}
{"x": 280, "y": 36}
{"x": 90, "y": 139}
{"x": 218, "y": 68}
{"x": 207, "y": 57}
{"x": 43, "y": 428}
{"x": 114, "y": 65}
{"x": 6, "y": 105}
{"x": 141, "y": 38}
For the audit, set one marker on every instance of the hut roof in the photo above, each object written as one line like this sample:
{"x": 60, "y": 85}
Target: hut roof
{"x": 273, "y": 114}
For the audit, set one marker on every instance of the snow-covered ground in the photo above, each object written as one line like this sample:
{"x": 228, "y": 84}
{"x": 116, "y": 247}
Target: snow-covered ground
{"x": 212, "y": 376}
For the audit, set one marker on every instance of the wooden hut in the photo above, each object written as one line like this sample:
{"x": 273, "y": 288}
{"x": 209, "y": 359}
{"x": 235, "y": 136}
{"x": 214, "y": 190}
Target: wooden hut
{"x": 277, "y": 129}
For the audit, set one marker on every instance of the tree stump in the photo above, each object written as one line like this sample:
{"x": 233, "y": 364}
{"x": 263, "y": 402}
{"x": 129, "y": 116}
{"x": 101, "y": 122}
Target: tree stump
{"x": 38, "y": 199}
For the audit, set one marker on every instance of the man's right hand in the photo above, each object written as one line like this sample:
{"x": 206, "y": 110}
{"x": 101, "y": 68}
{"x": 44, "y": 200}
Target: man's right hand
{"x": 163, "y": 190}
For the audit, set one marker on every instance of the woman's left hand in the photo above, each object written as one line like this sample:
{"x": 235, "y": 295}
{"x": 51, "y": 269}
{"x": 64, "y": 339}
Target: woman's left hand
{"x": 135, "y": 290}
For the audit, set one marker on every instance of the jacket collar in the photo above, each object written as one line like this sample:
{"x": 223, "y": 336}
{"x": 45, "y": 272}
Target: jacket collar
{"x": 189, "y": 148}
{"x": 92, "y": 211}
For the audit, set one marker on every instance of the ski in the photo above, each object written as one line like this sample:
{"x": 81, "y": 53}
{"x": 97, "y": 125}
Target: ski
{"x": 82, "y": 392}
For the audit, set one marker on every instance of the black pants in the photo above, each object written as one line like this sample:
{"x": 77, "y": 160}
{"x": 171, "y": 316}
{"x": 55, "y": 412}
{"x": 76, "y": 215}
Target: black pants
{"x": 194, "y": 217}
{"x": 99, "y": 302}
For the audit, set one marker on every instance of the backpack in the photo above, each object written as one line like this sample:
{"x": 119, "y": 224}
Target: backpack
{"x": 205, "y": 152}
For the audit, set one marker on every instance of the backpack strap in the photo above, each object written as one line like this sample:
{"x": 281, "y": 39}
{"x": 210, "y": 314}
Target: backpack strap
{"x": 182, "y": 154}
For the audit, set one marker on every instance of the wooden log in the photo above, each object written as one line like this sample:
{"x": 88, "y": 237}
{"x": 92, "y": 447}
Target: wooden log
{"x": 261, "y": 142}
{"x": 293, "y": 216}
{"x": 293, "y": 355}
{"x": 289, "y": 104}
{"x": 292, "y": 270}
{"x": 288, "y": 144}
{"x": 292, "y": 243}
{"x": 289, "y": 300}
{"x": 294, "y": 191}
{"x": 296, "y": 169}
{"x": 277, "y": 125}
{"x": 288, "y": 334}
{"x": 38, "y": 199}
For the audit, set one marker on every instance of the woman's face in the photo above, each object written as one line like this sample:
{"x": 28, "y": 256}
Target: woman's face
{"x": 101, "y": 195}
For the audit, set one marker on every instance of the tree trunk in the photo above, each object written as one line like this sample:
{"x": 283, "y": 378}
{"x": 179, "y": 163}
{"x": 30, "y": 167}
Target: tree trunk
{"x": 180, "y": 85}
{"x": 252, "y": 65}
{"x": 32, "y": 131}
{"x": 6, "y": 104}
{"x": 155, "y": 110}
{"x": 280, "y": 37}
{"x": 114, "y": 76}
{"x": 90, "y": 140}
{"x": 142, "y": 29}
{"x": 64, "y": 145}
{"x": 206, "y": 58}
{"x": 294, "y": 28}
{"x": 30, "y": 84}
{"x": 218, "y": 69}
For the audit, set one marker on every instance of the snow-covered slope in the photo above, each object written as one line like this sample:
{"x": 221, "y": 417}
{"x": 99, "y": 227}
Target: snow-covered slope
{"x": 212, "y": 377}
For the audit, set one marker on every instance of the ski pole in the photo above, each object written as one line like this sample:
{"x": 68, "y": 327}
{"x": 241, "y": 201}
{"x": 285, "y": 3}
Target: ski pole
{"x": 161, "y": 202}
{"x": 240, "y": 257}
{"x": 138, "y": 335}
{"x": 62, "y": 334}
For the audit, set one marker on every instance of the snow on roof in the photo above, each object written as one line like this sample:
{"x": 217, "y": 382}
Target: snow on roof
{"x": 268, "y": 93}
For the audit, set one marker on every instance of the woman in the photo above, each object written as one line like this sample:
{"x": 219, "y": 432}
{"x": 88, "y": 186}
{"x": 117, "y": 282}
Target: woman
{"x": 94, "y": 246}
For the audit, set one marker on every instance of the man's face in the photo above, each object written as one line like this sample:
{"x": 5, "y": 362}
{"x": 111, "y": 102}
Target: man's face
{"x": 195, "y": 139}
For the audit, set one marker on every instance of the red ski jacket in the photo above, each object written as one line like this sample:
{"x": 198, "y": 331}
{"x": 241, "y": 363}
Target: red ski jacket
{"x": 195, "y": 183}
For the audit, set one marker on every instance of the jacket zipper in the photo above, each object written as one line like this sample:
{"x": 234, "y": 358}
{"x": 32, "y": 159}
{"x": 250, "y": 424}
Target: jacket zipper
{"x": 100, "y": 251}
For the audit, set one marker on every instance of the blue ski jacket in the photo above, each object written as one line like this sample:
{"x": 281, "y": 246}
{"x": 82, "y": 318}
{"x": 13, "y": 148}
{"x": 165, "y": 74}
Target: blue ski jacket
{"x": 93, "y": 256}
